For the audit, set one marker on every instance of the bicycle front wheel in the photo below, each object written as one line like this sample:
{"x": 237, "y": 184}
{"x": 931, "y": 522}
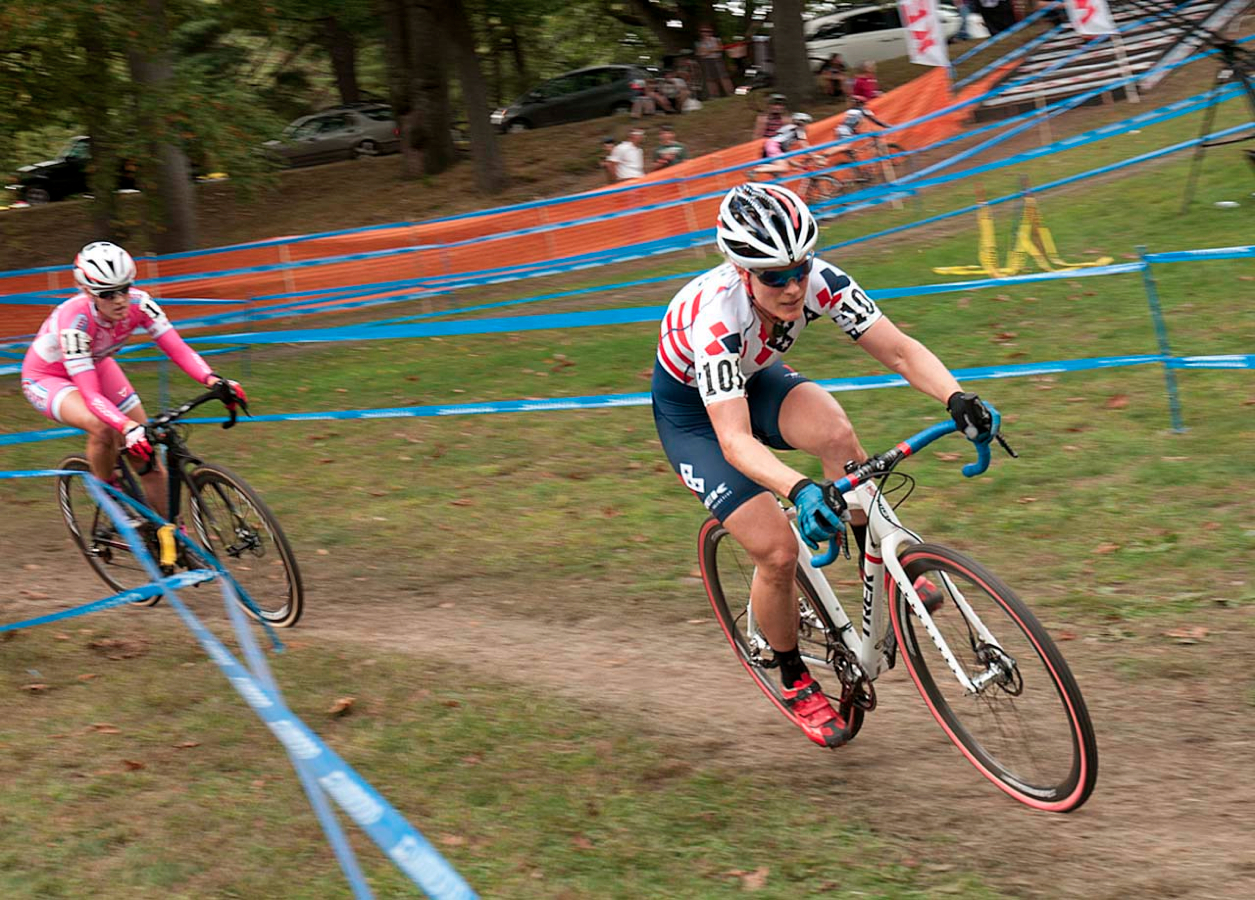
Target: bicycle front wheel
{"x": 95, "y": 535}
{"x": 237, "y": 527}
{"x": 825, "y": 187}
{"x": 727, "y": 572}
{"x": 1021, "y": 720}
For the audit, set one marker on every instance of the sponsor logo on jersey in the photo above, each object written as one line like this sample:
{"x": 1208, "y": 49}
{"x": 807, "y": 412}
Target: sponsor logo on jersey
{"x": 834, "y": 285}
{"x": 691, "y": 481}
{"x": 80, "y": 322}
{"x": 725, "y": 341}
{"x": 717, "y": 496}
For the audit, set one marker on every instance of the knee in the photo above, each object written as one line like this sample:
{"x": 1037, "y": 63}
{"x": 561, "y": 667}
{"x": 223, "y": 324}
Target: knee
{"x": 102, "y": 435}
{"x": 840, "y": 443}
{"x": 779, "y": 561}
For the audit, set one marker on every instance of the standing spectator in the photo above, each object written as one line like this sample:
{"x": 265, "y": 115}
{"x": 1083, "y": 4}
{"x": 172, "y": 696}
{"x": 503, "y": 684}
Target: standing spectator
{"x": 964, "y": 11}
{"x": 866, "y": 87}
{"x": 832, "y": 75}
{"x": 775, "y": 118}
{"x": 710, "y": 53}
{"x": 670, "y": 151}
{"x": 997, "y": 15}
{"x": 627, "y": 158}
{"x": 608, "y": 165}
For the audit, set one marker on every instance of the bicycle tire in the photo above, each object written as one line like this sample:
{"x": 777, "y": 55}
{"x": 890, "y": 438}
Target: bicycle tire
{"x": 824, "y": 187}
{"x": 730, "y": 613}
{"x": 1055, "y": 767}
{"x": 276, "y": 588}
{"x": 95, "y": 536}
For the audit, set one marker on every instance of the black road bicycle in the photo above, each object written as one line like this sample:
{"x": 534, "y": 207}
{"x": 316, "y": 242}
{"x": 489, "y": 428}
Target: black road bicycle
{"x": 224, "y": 515}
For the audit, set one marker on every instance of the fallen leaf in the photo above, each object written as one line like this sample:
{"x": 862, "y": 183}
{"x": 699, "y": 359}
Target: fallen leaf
{"x": 948, "y": 457}
{"x": 695, "y": 621}
{"x": 34, "y": 595}
{"x": 452, "y": 840}
{"x": 452, "y": 704}
{"x": 1026, "y": 500}
{"x": 134, "y": 765}
{"x": 756, "y": 880}
{"x": 462, "y": 501}
{"x": 34, "y": 688}
{"x": 103, "y": 728}
{"x": 1118, "y": 401}
{"x": 580, "y": 842}
{"x": 321, "y": 552}
{"x": 342, "y": 390}
{"x": 1066, "y": 635}
{"x": 1071, "y": 448}
{"x": 448, "y": 604}
{"x": 186, "y": 745}
{"x": 342, "y": 706}
{"x": 88, "y": 676}
{"x": 1188, "y": 634}
{"x": 1106, "y": 548}
{"x": 473, "y": 759}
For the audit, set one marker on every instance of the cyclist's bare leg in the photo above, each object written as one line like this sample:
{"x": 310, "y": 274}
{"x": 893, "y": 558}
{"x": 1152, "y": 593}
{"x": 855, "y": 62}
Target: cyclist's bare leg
{"x": 759, "y": 525}
{"x": 103, "y": 441}
{"x": 813, "y": 421}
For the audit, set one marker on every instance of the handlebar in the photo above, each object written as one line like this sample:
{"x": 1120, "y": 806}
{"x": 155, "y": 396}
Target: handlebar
{"x": 220, "y": 391}
{"x": 884, "y": 463}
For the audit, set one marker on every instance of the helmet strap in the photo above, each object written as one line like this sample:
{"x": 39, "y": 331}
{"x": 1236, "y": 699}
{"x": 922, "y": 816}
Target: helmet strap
{"x": 778, "y": 328}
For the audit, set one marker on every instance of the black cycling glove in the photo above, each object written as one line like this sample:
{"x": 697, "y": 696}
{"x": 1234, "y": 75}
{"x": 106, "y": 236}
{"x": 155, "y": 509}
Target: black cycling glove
{"x": 971, "y": 415}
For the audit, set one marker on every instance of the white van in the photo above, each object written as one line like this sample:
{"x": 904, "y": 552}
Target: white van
{"x": 872, "y": 32}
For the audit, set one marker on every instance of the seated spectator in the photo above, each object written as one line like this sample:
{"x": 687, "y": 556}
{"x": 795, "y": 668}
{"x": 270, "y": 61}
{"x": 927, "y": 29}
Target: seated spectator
{"x": 832, "y": 76}
{"x": 675, "y": 89}
{"x": 627, "y": 159}
{"x": 670, "y": 151}
{"x": 866, "y": 87}
{"x": 775, "y": 118}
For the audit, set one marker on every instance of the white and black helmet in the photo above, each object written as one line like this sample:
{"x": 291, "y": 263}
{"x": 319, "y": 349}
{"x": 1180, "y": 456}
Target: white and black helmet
{"x": 765, "y": 226}
{"x": 102, "y": 266}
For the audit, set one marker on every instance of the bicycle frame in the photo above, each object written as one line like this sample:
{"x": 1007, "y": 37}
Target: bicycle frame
{"x": 886, "y": 538}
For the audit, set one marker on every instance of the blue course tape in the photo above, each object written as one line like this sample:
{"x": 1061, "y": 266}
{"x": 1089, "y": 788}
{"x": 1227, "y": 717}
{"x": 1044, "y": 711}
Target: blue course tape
{"x": 1247, "y": 252}
{"x": 173, "y": 582}
{"x": 607, "y": 401}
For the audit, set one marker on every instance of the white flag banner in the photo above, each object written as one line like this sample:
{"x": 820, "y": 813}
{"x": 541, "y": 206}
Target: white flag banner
{"x": 925, "y": 38}
{"x": 1091, "y": 16}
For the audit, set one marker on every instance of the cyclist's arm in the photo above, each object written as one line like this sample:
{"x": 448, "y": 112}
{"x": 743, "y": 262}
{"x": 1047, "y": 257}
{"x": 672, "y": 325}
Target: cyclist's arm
{"x": 157, "y": 324}
{"x": 731, "y": 419}
{"x": 871, "y": 117}
{"x": 76, "y": 355}
{"x": 909, "y": 358}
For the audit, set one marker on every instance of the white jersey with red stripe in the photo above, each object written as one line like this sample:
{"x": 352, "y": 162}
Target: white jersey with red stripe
{"x": 712, "y": 338}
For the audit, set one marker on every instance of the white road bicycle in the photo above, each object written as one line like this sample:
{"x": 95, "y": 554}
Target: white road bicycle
{"x": 987, "y": 669}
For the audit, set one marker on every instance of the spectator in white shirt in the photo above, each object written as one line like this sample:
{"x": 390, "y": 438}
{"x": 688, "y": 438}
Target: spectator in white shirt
{"x": 627, "y": 157}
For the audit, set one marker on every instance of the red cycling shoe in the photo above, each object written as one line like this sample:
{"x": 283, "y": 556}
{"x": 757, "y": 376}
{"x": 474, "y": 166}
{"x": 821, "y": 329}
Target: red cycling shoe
{"x": 813, "y": 712}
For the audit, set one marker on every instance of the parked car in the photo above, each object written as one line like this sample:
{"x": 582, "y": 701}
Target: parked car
{"x": 342, "y": 132}
{"x": 574, "y": 97}
{"x": 872, "y": 32}
{"x": 65, "y": 176}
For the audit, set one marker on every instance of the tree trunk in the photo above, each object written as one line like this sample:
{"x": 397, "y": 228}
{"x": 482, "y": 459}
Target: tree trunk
{"x": 433, "y": 125}
{"x": 398, "y": 54}
{"x": 520, "y": 62}
{"x": 655, "y": 18}
{"x": 793, "y": 72}
{"x": 166, "y": 179}
{"x": 490, "y": 174}
{"x": 342, "y": 48}
{"x": 95, "y": 89}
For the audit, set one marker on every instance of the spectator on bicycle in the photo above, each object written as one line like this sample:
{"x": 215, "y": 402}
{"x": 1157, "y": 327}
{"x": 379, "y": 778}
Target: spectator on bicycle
{"x": 775, "y": 118}
{"x": 789, "y": 138}
{"x": 69, "y": 373}
{"x": 669, "y": 150}
{"x": 720, "y": 393}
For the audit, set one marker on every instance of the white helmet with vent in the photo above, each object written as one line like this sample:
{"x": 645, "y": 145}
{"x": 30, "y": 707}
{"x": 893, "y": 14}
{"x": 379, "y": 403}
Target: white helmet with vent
{"x": 765, "y": 226}
{"x": 102, "y": 266}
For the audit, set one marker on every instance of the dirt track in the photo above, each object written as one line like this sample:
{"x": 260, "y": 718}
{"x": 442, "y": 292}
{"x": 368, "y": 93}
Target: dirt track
{"x": 1170, "y": 816}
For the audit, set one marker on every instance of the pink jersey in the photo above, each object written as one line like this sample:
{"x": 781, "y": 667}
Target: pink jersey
{"x": 713, "y": 338}
{"x": 74, "y": 338}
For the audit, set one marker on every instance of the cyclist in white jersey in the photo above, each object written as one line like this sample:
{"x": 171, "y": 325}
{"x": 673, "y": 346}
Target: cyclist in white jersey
{"x": 722, "y": 397}
{"x": 850, "y": 125}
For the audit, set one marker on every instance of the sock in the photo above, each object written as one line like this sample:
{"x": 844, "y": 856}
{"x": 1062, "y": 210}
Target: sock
{"x": 791, "y": 666}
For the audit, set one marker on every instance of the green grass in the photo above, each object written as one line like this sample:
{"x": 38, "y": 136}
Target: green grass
{"x": 184, "y": 794}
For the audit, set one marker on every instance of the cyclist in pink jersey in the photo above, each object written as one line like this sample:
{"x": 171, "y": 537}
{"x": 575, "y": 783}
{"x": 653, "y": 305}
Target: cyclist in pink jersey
{"x": 720, "y": 393}
{"x": 69, "y": 373}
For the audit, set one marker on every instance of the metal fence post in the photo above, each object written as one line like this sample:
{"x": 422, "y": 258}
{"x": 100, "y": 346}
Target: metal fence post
{"x": 1161, "y": 335}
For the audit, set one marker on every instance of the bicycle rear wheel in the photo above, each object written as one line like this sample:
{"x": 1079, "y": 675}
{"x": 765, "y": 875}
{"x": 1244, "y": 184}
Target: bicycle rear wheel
{"x": 94, "y": 534}
{"x": 727, "y": 572}
{"x": 1026, "y": 727}
{"x": 824, "y": 187}
{"x": 237, "y": 527}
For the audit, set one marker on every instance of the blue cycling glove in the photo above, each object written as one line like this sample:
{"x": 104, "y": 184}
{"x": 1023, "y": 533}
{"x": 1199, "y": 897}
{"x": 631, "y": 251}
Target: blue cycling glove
{"x": 818, "y": 512}
{"x": 976, "y": 420}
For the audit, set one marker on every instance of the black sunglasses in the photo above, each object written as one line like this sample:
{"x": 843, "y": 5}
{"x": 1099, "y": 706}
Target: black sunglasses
{"x": 778, "y": 278}
{"x": 116, "y": 292}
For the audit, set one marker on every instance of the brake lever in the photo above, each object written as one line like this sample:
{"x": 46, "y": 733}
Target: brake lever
{"x": 1006, "y": 446}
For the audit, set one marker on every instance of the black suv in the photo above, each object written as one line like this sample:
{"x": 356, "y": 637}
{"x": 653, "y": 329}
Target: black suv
{"x": 64, "y": 176}
{"x": 574, "y": 97}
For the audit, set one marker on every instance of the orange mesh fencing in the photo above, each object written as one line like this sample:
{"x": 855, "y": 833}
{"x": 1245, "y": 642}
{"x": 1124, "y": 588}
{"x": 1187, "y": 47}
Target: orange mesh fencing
{"x": 468, "y": 245}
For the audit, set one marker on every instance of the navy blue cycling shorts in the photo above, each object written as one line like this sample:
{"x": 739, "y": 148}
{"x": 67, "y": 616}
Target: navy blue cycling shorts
{"x": 690, "y": 442}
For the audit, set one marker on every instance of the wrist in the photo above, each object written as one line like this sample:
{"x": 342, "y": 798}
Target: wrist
{"x": 798, "y": 488}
